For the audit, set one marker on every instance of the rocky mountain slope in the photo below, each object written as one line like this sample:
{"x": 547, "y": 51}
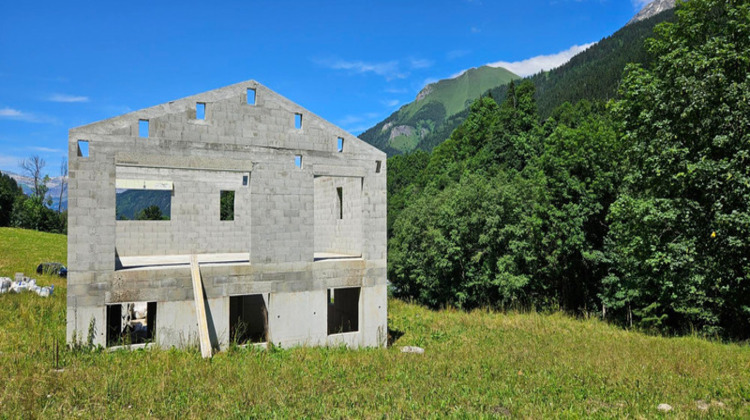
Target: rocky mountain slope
{"x": 435, "y": 103}
{"x": 652, "y": 9}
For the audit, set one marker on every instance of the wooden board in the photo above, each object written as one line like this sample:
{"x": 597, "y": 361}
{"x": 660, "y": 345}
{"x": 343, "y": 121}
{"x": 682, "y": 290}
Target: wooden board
{"x": 200, "y": 307}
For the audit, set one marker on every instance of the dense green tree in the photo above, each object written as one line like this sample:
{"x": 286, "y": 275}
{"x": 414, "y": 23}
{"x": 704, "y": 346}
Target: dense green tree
{"x": 680, "y": 231}
{"x": 152, "y": 212}
{"x": 9, "y": 190}
{"x": 33, "y": 213}
{"x": 404, "y": 182}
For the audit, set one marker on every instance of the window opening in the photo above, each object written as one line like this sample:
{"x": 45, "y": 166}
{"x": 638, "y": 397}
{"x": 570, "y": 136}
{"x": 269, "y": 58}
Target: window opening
{"x": 245, "y": 180}
{"x": 343, "y": 310}
{"x": 130, "y": 323}
{"x": 200, "y": 111}
{"x": 340, "y": 144}
{"x": 377, "y": 166}
{"x": 143, "y": 128}
{"x": 143, "y": 204}
{"x": 298, "y": 161}
{"x": 248, "y": 319}
{"x": 83, "y": 148}
{"x": 298, "y": 121}
{"x": 226, "y": 204}
{"x": 340, "y": 202}
{"x": 251, "y": 96}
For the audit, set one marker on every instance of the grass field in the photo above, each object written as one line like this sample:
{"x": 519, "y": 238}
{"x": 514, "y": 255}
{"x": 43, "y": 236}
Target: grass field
{"x": 477, "y": 364}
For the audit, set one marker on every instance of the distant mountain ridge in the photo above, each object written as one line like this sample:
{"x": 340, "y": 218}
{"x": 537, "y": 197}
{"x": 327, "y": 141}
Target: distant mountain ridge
{"x": 593, "y": 74}
{"x": 404, "y": 129}
{"x": 27, "y": 184}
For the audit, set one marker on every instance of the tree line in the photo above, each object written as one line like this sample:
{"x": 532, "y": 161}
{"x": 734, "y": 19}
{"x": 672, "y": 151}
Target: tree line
{"x": 33, "y": 211}
{"x": 637, "y": 209}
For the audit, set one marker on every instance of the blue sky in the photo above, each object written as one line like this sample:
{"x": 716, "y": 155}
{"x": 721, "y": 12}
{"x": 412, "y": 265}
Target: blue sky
{"x": 69, "y": 63}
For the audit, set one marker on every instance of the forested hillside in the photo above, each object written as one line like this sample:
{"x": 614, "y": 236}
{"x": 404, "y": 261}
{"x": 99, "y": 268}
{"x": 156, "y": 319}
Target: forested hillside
{"x": 637, "y": 210}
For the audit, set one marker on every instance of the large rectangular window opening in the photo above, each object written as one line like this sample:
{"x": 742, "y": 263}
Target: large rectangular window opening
{"x": 131, "y": 323}
{"x": 248, "y": 319}
{"x": 343, "y": 310}
{"x": 143, "y": 204}
{"x": 226, "y": 205}
{"x": 143, "y": 199}
{"x": 250, "y": 96}
{"x": 200, "y": 111}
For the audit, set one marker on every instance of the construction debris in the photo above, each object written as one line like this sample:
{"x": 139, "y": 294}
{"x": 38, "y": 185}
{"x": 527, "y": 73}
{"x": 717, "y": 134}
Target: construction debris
{"x": 54, "y": 268}
{"x": 412, "y": 349}
{"x": 24, "y": 284}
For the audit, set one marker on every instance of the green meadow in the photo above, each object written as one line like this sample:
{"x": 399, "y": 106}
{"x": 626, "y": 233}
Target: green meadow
{"x": 479, "y": 364}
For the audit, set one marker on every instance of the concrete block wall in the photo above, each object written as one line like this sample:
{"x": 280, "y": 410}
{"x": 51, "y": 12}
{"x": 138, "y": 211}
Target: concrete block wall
{"x": 275, "y": 218}
{"x": 194, "y": 226}
{"x": 338, "y": 225}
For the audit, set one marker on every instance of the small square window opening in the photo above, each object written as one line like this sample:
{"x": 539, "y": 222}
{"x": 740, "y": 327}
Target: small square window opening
{"x": 143, "y": 128}
{"x": 83, "y": 148}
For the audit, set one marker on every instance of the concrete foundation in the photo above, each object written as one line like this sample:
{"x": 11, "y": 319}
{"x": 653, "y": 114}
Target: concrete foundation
{"x": 309, "y": 217}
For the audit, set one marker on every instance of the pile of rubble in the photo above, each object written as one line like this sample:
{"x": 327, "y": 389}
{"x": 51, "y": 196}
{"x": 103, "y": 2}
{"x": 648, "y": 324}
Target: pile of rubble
{"x": 22, "y": 284}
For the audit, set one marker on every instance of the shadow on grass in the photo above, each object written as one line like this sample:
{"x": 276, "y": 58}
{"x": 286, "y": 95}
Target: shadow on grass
{"x": 393, "y": 336}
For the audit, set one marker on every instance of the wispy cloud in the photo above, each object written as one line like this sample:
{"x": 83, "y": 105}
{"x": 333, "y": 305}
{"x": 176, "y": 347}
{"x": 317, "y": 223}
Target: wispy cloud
{"x": 396, "y": 91}
{"x": 454, "y": 54}
{"x": 354, "y": 119}
{"x": 60, "y": 97}
{"x": 388, "y": 69}
{"x": 45, "y": 149}
{"x": 7, "y": 161}
{"x": 14, "y": 114}
{"x": 420, "y": 63}
{"x": 391, "y": 103}
{"x": 475, "y": 30}
{"x": 539, "y": 63}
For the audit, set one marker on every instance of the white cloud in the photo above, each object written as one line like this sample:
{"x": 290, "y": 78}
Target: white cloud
{"x": 539, "y": 63}
{"x": 396, "y": 91}
{"x": 420, "y": 63}
{"x": 475, "y": 30}
{"x": 388, "y": 69}
{"x": 59, "y": 97}
{"x": 14, "y": 114}
{"x": 390, "y": 103}
{"x": 7, "y": 161}
{"x": 45, "y": 149}
{"x": 454, "y": 54}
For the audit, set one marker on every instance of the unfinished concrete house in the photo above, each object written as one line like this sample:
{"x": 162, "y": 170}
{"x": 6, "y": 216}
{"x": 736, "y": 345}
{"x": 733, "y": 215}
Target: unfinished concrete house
{"x": 233, "y": 215}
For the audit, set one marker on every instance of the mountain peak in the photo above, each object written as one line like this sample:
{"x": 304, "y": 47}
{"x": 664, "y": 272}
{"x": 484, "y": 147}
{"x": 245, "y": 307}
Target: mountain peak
{"x": 652, "y": 9}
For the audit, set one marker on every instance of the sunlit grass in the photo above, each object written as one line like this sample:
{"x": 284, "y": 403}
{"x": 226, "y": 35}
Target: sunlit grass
{"x": 476, "y": 364}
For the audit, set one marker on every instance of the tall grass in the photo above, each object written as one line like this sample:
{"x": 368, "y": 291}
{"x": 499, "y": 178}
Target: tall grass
{"x": 476, "y": 364}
